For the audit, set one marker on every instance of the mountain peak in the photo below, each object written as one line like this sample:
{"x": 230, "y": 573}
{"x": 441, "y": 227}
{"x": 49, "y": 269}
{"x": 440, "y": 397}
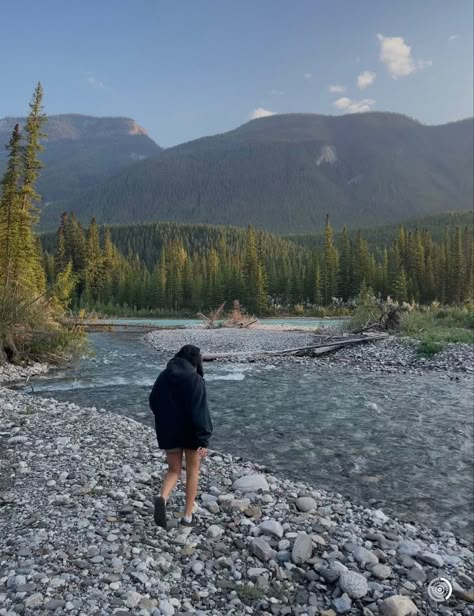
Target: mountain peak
{"x": 75, "y": 126}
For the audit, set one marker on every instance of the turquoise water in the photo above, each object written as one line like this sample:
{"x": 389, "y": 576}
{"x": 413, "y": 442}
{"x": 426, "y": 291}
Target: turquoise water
{"x": 290, "y": 322}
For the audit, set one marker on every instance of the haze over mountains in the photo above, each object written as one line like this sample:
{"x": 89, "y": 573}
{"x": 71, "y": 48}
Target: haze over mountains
{"x": 281, "y": 173}
{"x": 83, "y": 151}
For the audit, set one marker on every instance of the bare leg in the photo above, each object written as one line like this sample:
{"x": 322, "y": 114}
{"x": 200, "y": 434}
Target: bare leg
{"x": 173, "y": 473}
{"x": 192, "y": 478}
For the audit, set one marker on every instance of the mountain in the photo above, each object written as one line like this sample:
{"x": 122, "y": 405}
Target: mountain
{"x": 285, "y": 172}
{"x": 83, "y": 151}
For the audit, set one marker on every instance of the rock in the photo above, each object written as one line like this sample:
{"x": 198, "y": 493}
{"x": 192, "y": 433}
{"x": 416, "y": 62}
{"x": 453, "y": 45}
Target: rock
{"x": 254, "y": 572}
{"x": 342, "y": 604}
{"x": 166, "y": 608}
{"x": 417, "y": 575}
{"x": 327, "y": 613}
{"x": 398, "y": 605}
{"x": 214, "y": 531}
{"x": 250, "y": 483}
{"x": 132, "y": 599}
{"x": 362, "y": 555}
{"x": 305, "y": 503}
{"x": 34, "y": 600}
{"x": 272, "y": 527}
{"x": 354, "y": 584}
{"x": 197, "y": 567}
{"x": 330, "y": 575}
{"x": 261, "y": 549}
{"x": 381, "y": 572}
{"x": 302, "y": 549}
{"x": 432, "y": 559}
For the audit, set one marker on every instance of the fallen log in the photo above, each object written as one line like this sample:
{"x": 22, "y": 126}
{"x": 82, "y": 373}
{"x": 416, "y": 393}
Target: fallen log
{"x": 313, "y": 350}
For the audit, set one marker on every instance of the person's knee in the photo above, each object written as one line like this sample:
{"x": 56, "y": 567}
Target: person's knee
{"x": 174, "y": 469}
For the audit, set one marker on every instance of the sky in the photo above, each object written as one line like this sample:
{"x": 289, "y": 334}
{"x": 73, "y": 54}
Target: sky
{"x": 189, "y": 68}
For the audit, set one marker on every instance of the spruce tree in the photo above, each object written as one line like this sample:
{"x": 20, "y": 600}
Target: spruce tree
{"x": 10, "y": 243}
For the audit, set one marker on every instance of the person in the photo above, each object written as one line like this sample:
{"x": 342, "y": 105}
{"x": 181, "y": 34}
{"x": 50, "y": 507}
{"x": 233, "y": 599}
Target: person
{"x": 183, "y": 424}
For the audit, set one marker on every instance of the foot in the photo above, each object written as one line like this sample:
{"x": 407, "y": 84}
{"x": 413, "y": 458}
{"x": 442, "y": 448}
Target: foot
{"x": 160, "y": 512}
{"x": 186, "y": 521}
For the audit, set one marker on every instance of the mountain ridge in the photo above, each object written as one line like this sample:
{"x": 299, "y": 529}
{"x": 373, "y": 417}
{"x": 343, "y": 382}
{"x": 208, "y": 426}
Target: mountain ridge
{"x": 83, "y": 151}
{"x": 283, "y": 173}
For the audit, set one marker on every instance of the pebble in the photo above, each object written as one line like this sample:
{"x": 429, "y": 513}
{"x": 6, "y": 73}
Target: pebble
{"x": 101, "y": 553}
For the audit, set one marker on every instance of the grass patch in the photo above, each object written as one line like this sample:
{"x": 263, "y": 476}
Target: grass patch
{"x": 428, "y": 348}
{"x": 249, "y": 593}
{"x": 434, "y": 327}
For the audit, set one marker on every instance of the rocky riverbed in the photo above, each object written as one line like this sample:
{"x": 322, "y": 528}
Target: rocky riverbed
{"x": 77, "y": 534}
{"x": 394, "y": 355}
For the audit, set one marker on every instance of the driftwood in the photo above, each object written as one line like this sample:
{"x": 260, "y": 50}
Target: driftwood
{"x": 314, "y": 350}
{"x": 388, "y": 320}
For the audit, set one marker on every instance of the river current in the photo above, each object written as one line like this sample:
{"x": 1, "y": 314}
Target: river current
{"x": 398, "y": 442}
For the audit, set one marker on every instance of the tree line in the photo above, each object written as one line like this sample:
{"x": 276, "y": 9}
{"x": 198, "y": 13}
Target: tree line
{"x": 170, "y": 267}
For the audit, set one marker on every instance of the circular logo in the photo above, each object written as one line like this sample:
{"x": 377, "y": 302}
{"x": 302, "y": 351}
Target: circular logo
{"x": 440, "y": 589}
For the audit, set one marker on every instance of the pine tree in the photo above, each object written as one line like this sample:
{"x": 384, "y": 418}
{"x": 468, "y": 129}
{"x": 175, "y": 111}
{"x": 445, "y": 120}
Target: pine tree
{"x": 10, "y": 244}
{"x": 31, "y": 268}
{"x": 329, "y": 265}
{"x": 345, "y": 273}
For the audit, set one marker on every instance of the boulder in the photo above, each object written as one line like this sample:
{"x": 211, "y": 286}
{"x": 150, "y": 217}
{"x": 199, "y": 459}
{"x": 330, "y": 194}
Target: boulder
{"x": 398, "y": 605}
{"x": 272, "y": 527}
{"x": 362, "y": 555}
{"x": 302, "y": 549}
{"x": 431, "y": 559}
{"x": 342, "y": 604}
{"x": 354, "y": 584}
{"x": 381, "y": 572}
{"x": 305, "y": 503}
{"x": 261, "y": 549}
{"x": 251, "y": 483}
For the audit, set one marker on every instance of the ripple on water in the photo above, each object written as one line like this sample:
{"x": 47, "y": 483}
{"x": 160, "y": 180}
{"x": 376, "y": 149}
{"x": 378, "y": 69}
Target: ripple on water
{"x": 403, "y": 442}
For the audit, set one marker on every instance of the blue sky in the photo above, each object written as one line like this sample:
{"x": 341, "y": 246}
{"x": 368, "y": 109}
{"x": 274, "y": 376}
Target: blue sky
{"x": 191, "y": 68}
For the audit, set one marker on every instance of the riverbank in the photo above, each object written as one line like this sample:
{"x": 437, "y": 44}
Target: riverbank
{"x": 77, "y": 533}
{"x": 394, "y": 355}
{"x": 10, "y": 373}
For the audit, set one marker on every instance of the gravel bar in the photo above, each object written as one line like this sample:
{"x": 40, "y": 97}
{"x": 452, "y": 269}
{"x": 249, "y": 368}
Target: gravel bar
{"x": 77, "y": 534}
{"x": 389, "y": 356}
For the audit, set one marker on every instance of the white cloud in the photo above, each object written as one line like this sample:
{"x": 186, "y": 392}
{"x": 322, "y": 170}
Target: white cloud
{"x": 93, "y": 81}
{"x": 396, "y": 55}
{"x": 336, "y": 88}
{"x": 276, "y": 92}
{"x": 365, "y": 79}
{"x": 307, "y": 75}
{"x": 260, "y": 112}
{"x": 349, "y": 105}
{"x": 453, "y": 37}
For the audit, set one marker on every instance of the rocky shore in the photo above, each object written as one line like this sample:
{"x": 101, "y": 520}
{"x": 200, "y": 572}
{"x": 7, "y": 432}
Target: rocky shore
{"x": 10, "y": 373}
{"x": 77, "y": 534}
{"x": 394, "y": 355}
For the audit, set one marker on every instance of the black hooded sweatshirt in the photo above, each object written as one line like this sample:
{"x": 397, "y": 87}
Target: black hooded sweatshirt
{"x": 178, "y": 401}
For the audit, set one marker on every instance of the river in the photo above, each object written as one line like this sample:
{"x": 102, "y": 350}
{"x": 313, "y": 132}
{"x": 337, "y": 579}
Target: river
{"x": 401, "y": 443}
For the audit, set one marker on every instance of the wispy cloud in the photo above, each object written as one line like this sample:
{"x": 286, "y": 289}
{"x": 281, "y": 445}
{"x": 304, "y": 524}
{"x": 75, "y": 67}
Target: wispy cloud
{"x": 365, "y": 79}
{"x": 260, "y": 112}
{"x": 348, "y": 105}
{"x": 307, "y": 75}
{"x": 336, "y": 88}
{"x": 453, "y": 37}
{"x": 397, "y": 57}
{"x": 93, "y": 81}
{"x": 276, "y": 92}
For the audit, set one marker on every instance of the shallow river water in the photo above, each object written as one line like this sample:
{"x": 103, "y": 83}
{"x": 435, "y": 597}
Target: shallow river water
{"x": 401, "y": 443}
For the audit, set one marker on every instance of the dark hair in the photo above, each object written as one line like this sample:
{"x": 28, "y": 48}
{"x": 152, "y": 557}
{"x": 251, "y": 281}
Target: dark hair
{"x": 193, "y": 355}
